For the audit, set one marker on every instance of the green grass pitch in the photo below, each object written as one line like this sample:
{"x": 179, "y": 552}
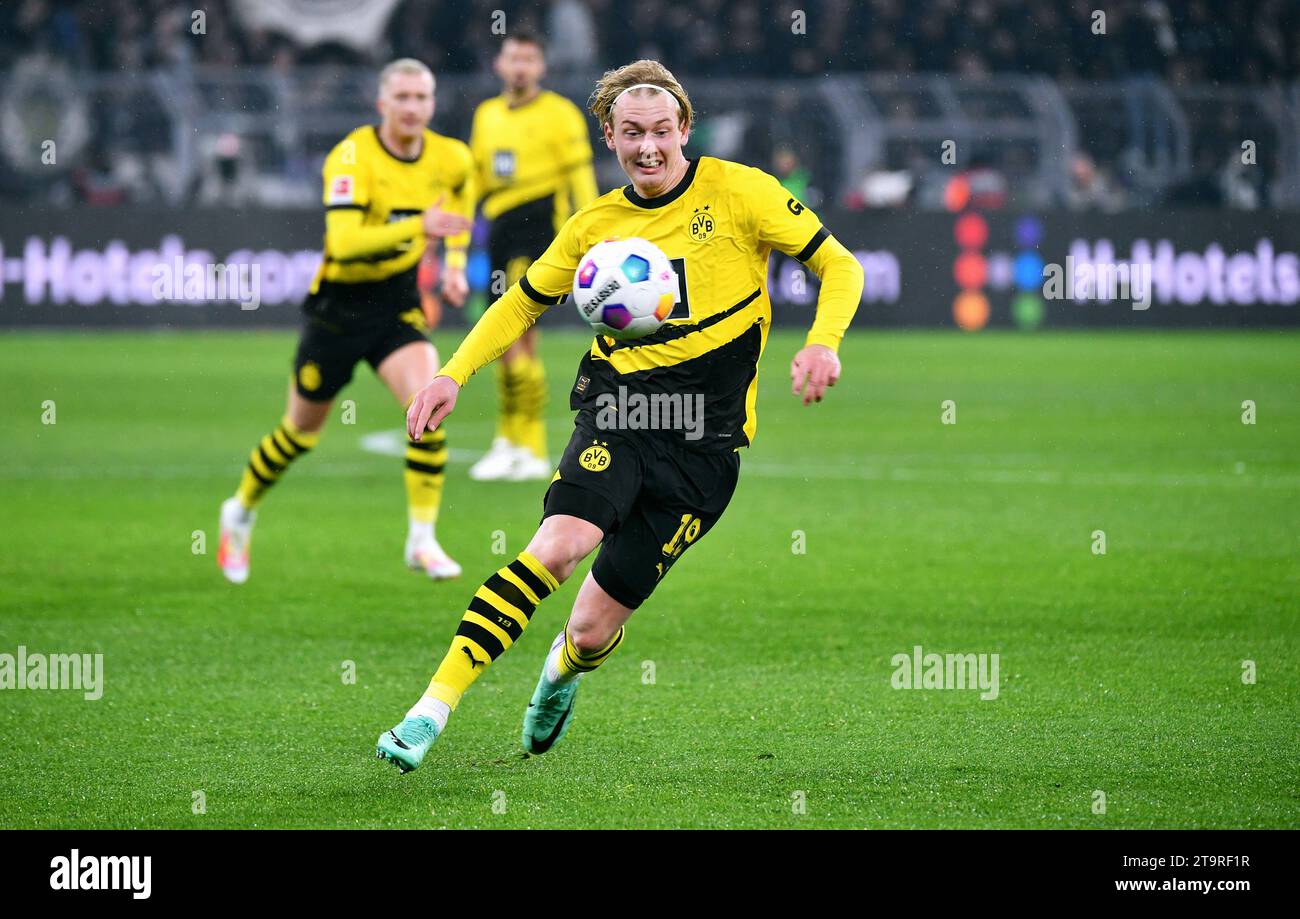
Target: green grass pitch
{"x": 771, "y": 702}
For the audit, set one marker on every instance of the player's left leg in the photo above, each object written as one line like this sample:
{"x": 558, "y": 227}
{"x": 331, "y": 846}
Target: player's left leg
{"x": 405, "y": 371}
{"x": 683, "y": 495}
{"x": 593, "y": 632}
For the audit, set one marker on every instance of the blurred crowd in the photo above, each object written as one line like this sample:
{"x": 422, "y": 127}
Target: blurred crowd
{"x": 1244, "y": 41}
{"x": 126, "y": 141}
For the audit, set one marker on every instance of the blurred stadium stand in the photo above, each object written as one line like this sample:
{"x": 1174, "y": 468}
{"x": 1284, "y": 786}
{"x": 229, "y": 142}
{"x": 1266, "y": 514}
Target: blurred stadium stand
{"x": 1044, "y": 112}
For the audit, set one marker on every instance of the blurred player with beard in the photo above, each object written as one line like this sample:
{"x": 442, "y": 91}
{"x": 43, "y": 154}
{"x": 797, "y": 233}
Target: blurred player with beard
{"x": 644, "y": 497}
{"x": 390, "y": 191}
{"x": 533, "y": 155}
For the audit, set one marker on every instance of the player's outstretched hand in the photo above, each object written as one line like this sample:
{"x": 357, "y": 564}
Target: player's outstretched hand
{"x": 430, "y": 406}
{"x": 438, "y": 222}
{"x": 454, "y": 286}
{"x": 814, "y": 369}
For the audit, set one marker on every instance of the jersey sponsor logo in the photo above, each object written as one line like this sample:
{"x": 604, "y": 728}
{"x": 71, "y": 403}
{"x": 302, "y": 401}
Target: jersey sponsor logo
{"x": 342, "y": 190}
{"x": 503, "y": 163}
{"x": 595, "y": 458}
{"x": 794, "y": 207}
{"x": 702, "y": 225}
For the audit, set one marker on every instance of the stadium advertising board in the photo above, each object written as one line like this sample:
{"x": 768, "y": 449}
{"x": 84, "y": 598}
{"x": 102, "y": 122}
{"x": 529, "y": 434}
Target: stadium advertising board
{"x": 154, "y": 267}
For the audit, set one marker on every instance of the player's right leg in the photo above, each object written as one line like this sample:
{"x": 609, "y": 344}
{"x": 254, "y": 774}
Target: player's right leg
{"x": 323, "y": 365}
{"x": 593, "y": 632}
{"x": 296, "y": 434}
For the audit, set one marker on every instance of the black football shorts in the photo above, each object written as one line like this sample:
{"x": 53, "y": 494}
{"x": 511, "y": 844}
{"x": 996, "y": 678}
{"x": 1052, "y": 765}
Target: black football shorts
{"x": 347, "y": 323}
{"x": 517, "y": 238}
{"x": 652, "y": 497}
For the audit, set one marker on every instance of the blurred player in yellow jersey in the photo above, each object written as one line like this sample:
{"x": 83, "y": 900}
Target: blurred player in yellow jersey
{"x": 533, "y": 156}
{"x": 390, "y": 191}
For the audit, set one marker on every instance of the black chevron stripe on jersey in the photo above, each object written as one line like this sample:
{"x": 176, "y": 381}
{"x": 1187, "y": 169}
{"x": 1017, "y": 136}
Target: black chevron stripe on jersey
{"x": 676, "y": 330}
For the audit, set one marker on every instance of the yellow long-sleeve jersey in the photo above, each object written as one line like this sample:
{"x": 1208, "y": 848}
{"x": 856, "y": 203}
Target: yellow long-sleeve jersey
{"x": 718, "y": 226}
{"x": 374, "y": 198}
{"x": 527, "y": 152}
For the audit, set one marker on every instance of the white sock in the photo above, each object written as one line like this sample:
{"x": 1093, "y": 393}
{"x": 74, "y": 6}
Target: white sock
{"x": 243, "y": 514}
{"x": 433, "y": 708}
{"x": 420, "y": 532}
{"x": 553, "y": 663}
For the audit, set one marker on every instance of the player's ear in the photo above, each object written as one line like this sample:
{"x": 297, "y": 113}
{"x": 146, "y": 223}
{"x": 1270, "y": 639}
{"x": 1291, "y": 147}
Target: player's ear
{"x": 686, "y": 134}
{"x": 608, "y": 130}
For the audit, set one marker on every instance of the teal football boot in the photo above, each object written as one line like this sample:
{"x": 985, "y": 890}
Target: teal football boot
{"x": 405, "y": 745}
{"x": 549, "y": 714}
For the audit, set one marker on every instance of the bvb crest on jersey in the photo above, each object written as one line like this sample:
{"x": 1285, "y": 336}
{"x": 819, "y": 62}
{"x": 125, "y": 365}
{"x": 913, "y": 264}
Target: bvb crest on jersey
{"x": 702, "y": 225}
{"x": 595, "y": 458}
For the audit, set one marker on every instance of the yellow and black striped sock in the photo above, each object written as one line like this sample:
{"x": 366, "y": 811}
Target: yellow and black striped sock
{"x": 494, "y": 621}
{"x": 531, "y": 406}
{"x": 509, "y": 381}
{"x": 270, "y": 458}
{"x": 426, "y": 462}
{"x": 570, "y": 662}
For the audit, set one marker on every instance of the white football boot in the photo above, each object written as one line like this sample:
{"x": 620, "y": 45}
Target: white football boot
{"x": 495, "y": 465}
{"x": 424, "y": 554}
{"x": 236, "y": 535}
{"x": 528, "y": 467}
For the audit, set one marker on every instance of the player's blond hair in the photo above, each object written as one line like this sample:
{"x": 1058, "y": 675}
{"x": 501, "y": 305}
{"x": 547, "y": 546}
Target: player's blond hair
{"x": 652, "y": 73}
{"x": 406, "y": 65}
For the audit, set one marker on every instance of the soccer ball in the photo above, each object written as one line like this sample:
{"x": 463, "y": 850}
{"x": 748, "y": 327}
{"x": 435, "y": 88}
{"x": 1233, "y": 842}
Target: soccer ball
{"x": 625, "y": 288}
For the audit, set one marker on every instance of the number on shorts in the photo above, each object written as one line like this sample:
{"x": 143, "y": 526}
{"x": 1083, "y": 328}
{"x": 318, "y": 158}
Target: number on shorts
{"x": 685, "y": 535}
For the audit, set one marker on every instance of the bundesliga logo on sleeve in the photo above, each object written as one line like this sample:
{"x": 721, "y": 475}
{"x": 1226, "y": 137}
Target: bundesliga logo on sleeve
{"x": 341, "y": 190}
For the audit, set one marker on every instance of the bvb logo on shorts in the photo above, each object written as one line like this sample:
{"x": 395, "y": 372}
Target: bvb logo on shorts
{"x": 702, "y": 225}
{"x": 309, "y": 376}
{"x": 595, "y": 458}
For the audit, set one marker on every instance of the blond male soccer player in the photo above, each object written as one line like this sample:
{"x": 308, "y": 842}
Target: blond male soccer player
{"x": 390, "y": 191}
{"x": 533, "y": 155}
{"x": 643, "y": 496}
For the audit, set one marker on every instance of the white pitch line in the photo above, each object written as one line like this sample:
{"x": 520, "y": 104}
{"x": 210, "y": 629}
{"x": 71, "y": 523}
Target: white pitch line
{"x": 392, "y": 443}
{"x": 1013, "y": 476}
